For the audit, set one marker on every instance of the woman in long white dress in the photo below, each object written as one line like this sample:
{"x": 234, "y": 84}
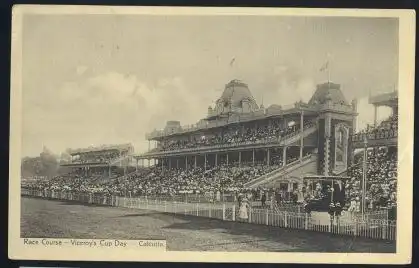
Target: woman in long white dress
{"x": 272, "y": 202}
{"x": 243, "y": 210}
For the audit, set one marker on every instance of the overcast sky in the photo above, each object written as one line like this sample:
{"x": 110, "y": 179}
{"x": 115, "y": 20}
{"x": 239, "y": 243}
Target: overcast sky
{"x": 105, "y": 79}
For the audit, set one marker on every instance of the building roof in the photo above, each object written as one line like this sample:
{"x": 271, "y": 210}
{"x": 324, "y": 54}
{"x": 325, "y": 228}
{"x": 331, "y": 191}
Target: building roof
{"x": 387, "y": 99}
{"x": 328, "y": 91}
{"x": 233, "y": 97}
{"x": 101, "y": 148}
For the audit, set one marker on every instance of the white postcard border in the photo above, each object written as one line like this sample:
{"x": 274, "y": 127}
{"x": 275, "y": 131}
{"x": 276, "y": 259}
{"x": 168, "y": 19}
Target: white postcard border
{"x": 405, "y": 145}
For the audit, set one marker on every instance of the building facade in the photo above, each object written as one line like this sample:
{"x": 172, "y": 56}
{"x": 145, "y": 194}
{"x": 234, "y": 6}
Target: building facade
{"x": 312, "y": 138}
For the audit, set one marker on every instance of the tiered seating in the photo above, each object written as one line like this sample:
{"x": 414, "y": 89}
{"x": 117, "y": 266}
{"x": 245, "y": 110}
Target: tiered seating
{"x": 154, "y": 181}
{"x": 385, "y": 130}
{"x": 381, "y": 178}
{"x": 235, "y": 134}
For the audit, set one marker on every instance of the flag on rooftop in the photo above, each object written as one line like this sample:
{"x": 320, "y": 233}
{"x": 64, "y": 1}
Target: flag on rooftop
{"x": 232, "y": 61}
{"x": 324, "y": 67}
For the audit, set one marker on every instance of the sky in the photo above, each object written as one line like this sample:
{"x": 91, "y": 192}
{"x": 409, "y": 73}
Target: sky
{"x": 109, "y": 79}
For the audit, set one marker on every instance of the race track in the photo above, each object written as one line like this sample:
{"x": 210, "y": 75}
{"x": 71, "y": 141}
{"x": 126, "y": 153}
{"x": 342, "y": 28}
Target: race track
{"x": 56, "y": 219}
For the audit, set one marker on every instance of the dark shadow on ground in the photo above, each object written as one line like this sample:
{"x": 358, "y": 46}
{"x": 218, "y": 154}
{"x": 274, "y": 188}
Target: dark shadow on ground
{"x": 138, "y": 215}
{"x": 302, "y": 240}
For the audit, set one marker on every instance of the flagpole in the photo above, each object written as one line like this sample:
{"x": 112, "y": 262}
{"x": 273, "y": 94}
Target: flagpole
{"x": 328, "y": 72}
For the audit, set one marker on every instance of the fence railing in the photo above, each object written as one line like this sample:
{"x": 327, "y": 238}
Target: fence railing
{"x": 369, "y": 228}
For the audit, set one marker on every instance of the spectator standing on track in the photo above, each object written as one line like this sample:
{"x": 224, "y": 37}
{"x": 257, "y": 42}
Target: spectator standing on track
{"x": 239, "y": 199}
{"x": 358, "y": 205}
{"x": 263, "y": 199}
{"x": 338, "y": 211}
{"x": 272, "y": 201}
{"x": 278, "y": 197}
{"x": 331, "y": 212}
{"x": 352, "y": 206}
{"x": 243, "y": 211}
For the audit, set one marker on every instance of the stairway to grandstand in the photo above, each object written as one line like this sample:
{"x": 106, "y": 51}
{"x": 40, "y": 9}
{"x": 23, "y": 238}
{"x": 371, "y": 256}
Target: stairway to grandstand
{"x": 118, "y": 160}
{"x": 295, "y": 137}
{"x": 307, "y": 161}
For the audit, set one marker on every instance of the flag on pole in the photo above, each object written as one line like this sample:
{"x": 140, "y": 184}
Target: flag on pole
{"x": 325, "y": 67}
{"x": 232, "y": 61}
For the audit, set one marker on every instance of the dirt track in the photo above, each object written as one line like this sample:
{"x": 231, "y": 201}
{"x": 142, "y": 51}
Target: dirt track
{"x": 55, "y": 219}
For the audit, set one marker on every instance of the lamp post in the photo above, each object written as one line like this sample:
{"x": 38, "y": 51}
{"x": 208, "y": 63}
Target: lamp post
{"x": 364, "y": 177}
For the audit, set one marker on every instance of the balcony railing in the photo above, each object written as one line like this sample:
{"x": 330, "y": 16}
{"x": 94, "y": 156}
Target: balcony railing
{"x": 267, "y": 141}
{"x": 375, "y": 135}
{"x": 258, "y": 114}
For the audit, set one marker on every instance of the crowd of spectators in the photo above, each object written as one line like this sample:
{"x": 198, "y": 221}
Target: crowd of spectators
{"x": 102, "y": 157}
{"x": 156, "y": 181}
{"x": 381, "y": 172}
{"x": 381, "y": 178}
{"x": 234, "y": 134}
{"x": 386, "y": 129}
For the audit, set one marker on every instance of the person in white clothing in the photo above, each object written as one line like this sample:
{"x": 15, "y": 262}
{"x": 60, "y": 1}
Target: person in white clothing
{"x": 358, "y": 205}
{"x": 352, "y": 206}
{"x": 243, "y": 211}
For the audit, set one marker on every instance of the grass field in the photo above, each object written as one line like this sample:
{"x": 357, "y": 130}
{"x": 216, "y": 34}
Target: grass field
{"x": 55, "y": 219}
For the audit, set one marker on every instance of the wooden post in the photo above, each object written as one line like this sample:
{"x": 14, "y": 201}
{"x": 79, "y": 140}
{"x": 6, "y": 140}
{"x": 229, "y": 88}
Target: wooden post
{"x": 384, "y": 231}
{"x": 234, "y": 212}
{"x": 224, "y": 212}
{"x": 267, "y": 217}
{"x": 250, "y": 215}
{"x": 285, "y": 219}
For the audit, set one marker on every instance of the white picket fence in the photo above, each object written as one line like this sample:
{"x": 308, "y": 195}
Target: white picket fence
{"x": 376, "y": 229}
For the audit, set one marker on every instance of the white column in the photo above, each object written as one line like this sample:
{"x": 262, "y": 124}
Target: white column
{"x": 301, "y": 135}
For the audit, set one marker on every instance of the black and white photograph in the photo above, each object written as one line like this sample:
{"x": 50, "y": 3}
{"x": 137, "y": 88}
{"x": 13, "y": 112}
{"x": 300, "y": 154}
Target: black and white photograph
{"x": 222, "y": 132}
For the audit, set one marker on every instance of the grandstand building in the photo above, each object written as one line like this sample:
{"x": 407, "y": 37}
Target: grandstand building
{"x": 103, "y": 160}
{"x": 385, "y": 133}
{"x": 304, "y": 139}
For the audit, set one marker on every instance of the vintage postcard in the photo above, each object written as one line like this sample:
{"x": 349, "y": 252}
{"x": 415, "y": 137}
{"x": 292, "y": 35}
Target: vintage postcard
{"x": 211, "y": 134}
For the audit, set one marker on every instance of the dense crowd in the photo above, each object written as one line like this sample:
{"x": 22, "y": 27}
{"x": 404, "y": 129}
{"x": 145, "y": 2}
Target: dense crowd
{"x": 156, "y": 181}
{"x": 386, "y": 129}
{"x": 103, "y": 157}
{"x": 381, "y": 174}
{"x": 381, "y": 169}
{"x": 234, "y": 134}
{"x": 381, "y": 178}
